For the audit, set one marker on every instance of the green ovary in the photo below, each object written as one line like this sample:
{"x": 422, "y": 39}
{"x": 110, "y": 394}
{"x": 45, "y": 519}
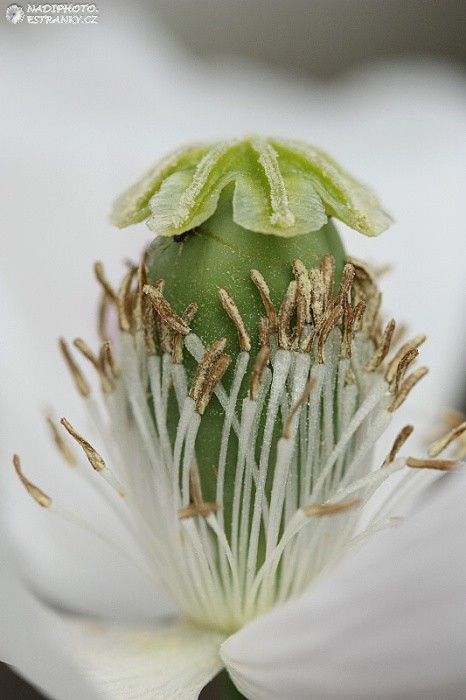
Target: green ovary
{"x": 217, "y": 254}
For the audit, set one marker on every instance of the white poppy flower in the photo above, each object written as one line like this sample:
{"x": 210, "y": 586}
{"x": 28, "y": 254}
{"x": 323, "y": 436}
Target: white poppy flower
{"x": 239, "y": 490}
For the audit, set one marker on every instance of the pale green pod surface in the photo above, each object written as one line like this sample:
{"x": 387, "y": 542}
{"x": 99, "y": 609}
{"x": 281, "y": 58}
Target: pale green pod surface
{"x": 222, "y": 210}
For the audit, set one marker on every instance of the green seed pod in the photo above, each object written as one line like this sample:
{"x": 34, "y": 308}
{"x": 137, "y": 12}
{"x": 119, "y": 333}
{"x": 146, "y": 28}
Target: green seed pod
{"x": 221, "y": 213}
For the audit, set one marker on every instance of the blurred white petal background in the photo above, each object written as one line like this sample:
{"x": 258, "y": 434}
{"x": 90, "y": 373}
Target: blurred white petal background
{"x": 86, "y": 109}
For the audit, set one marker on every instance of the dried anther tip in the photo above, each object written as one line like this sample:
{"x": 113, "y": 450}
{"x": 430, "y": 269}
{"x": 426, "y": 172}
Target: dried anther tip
{"x": 60, "y": 443}
{"x": 81, "y": 384}
{"x": 443, "y": 442}
{"x": 398, "y": 443}
{"x": 105, "y": 284}
{"x": 38, "y": 495}
{"x": 233, "y": 312}
{"x": 92, "y": 455}
{"x": 443, "y": 465}
{"x": 165, "y": 311}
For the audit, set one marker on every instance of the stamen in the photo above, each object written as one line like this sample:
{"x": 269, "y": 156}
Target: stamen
{"x": 140, "y": 298}
{"x": 262, "y": 360}
{"x": 93, "y": 456}
{"x": 329, "y": 323}
{"x": 441, "y": 464}
{"x": 407, "y": 359}
{"x": 285, "y": 314}
{"x": 406, "y": 388}
{"x": 108, "y": 358}
{"x": 164, "y": 309}
{"x": 383, "y": 348}
{"x": 38, "y": 495}
{"x": 106, "y": 286}
{"x": 80, "y": 383}
{"x": 233, "y": 312}
{"x": 318, "y": 295}
{"x": 261, "y": 285}
{"x": 102, "y": 316}
{"x": 82, "y": 346}
{"x": 264, "y": 332}
{"x": 60, "y": 443}
{"x": 95, "y": 460}
{"x": 328, "y": 275}
{"x": 398, "y": 443}
{"x": 205, "y": 365}
{"x": 321, "y": 509}
{"x": 304, "y": 292}
{"x": 345, "y": 284}
{"x": 393, "y": 364}
{"x": 443, "y": 442}
{"x": 213, "y": 378}
{"x": 123, "y": 300}
{"x": 149, "y": 326}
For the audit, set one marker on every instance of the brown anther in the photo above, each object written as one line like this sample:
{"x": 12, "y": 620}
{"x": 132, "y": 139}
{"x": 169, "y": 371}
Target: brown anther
{"x": 107, "y": 358}
{"x": 321, "y": 509}
{"x": 198, "y": 506}
{"x": 349, "y": 377}
{"x": 407, "y": 360}
{"x": 318, "y": 295}
{"x": 351, "y": 321}
{"x": 84, "y": 349}
{"x": 103, "y": 281}
{"x": 178, "y": 339}
{"x": 149, "y": 325}
{"x": 62, "y": 446}
{"x": 285, "y": 314}
{"x": 165, "y": 334}
{"x": 124, "y": 301}
{"x": 302, "y": 399}
{"x": 383, "y": 348}
{"x": 398, "y": 443}
{"x": 391, "y": 370}
{"x": 443, "y": 465}
{"x": 92, "y": 455}
{"x": 443, "y": 442}
{"x": 264, "y": 332}
{"x": 233, "y": 312}
{"x": 262, "y": 360}
{"x": 205, "y": 365}
{"x": 406, "y": 387}
{"x": 304, "y": 293}
{"x": 328, "y": 275}
{"x": 329, "y": 323}
{"x": 213, "y": 378}
{"x": 38, "y": 495}
{"x": 102, "y": 316}
{"x": 164, "y": 309}
{"x": 80, "y": 383}
{"x": 139, "y": 305}
{"x": 345, "y": 284}
{"x": 263, "y": 289}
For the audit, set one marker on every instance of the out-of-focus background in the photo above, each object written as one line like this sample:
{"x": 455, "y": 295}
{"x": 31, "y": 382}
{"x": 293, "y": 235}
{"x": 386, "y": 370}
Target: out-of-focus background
{"x": 87, "y": 107}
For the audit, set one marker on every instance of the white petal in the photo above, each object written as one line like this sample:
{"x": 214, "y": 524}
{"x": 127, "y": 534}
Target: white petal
{"x": 27, "y": 642}
{"x": 389, "y": 623}
{"x": 171, "y": 662}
